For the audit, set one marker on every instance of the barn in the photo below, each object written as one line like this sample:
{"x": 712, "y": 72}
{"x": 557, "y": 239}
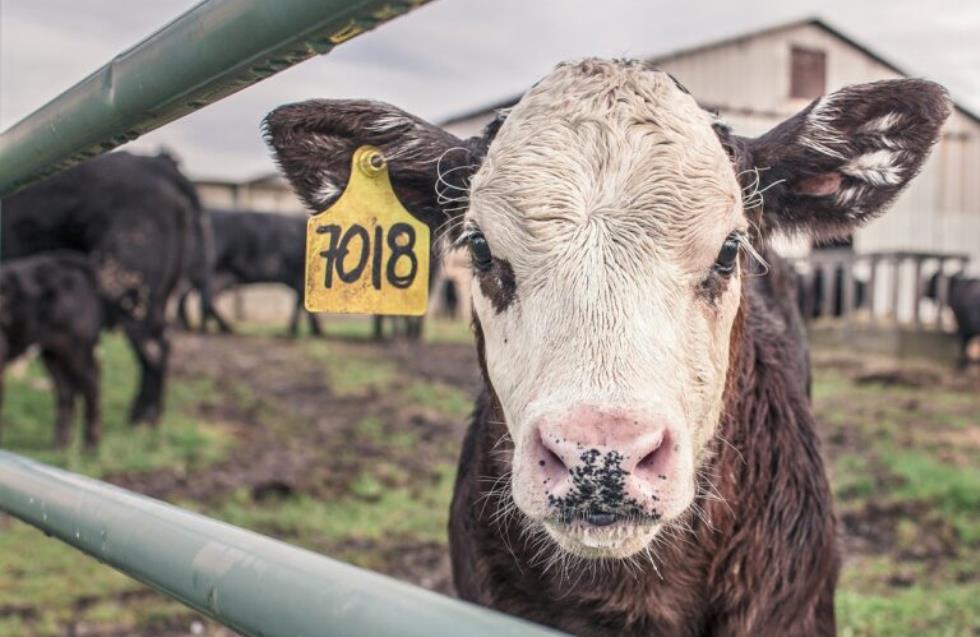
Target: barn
{"x": 757, "y": 79}
{"x": 268, "y": 192}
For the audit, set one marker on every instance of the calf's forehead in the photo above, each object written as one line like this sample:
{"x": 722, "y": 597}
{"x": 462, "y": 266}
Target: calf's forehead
{"x": 612, "y": 144}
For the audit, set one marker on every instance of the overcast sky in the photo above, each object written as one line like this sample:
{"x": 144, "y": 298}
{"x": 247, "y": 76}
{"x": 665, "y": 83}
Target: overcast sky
{"x": 451, "y": 55}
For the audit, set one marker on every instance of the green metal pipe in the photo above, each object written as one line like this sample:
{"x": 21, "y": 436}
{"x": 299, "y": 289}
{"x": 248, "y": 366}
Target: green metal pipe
{"x": 215, "y": 49}
{"x": 251, "y": 583}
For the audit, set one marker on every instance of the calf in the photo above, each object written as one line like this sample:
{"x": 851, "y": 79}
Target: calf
{"x": 643, "y": 459}
{"x": 134, "y": 216}
{"x": 255, "y": 247}
{"x": 964, "y": 300}
{"x": 52, "y": 301}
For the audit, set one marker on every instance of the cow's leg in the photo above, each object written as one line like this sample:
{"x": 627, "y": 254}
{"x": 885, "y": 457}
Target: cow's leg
{"x": 64, "y": 397}
{"x": 314, "y": 322}
{"x": 294, "y": 317}
{"x": 87, "y": 378}
{"x": 152, "y": 351}
{"x": 206, "y": 309}
{"x": 183, "y": 321}
{"x": 1, "y": 399}
{"x": 964, "y": 360}
{"x": 415, "y": 326}
{"x": 223, "y": 324}
{"x": 217, "y": 284}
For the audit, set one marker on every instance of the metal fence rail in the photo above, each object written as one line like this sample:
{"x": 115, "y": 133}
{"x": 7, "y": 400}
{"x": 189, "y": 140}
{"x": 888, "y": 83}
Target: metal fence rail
{"x": 249, "y": 582}
{"x": 215, "y": 49}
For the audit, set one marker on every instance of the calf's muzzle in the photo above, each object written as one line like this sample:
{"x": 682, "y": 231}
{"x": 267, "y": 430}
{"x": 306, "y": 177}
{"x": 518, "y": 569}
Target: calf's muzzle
{"x": 601, "y": 466}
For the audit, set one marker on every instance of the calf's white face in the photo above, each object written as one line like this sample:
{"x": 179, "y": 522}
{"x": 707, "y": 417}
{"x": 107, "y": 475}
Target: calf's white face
{"x": 605, "y": 203}
{"x": 605, "y": 219}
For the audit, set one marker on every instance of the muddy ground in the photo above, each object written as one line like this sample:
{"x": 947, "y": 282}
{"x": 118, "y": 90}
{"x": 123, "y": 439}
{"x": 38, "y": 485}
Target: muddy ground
{"x": 348, "y": 422}
{"x": 296, "y": 454}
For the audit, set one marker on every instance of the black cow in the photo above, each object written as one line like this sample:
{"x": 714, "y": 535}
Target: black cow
{"x": 52, "y": 301}
{"x": 964, "y": 299}
{"x": 254, "y": 247}
{"x": 135, "y": 217}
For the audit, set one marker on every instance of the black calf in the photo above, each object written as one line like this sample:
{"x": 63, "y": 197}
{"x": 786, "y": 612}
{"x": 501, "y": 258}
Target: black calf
{"x": 52, "y": 301}
{"x": 136, "y": 218}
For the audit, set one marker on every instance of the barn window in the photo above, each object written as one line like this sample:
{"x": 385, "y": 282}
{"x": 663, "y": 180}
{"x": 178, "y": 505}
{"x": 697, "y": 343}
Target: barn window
{"x": 808, "y": 73}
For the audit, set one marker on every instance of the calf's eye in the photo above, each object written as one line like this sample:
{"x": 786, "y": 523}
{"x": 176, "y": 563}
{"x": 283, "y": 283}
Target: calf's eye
{"x": 727, "y": 257}
{"x": 480, "y": 252}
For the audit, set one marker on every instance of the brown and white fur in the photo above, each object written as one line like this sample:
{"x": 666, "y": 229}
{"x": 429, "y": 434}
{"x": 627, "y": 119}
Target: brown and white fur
{"x": 643, "y": 459}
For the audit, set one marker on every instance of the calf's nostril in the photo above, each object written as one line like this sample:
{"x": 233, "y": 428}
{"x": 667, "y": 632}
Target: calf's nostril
{"x": 654, "y": 456}
{"x": 550, "y": 459}
{"x": 648, "y": 460}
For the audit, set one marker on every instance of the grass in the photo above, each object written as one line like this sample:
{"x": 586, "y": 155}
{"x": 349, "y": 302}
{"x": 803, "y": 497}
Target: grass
{"x": 370, "y": 512}
{"x": 181, "y": 442}
{"x": 46, "y": 586}
{"x": 950, "y": 611}
{"x": 53, "y": 582}
{"x": 443, "y": 398}
{"x": 891, "y": 448}
{"x": 49, "y": 580}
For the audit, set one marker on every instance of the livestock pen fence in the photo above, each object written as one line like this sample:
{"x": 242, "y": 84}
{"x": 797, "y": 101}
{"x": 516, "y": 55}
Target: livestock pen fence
{"x": 253, "y": 584}
{"x": 895, "y": 303}
{"x": 884, "y": 288}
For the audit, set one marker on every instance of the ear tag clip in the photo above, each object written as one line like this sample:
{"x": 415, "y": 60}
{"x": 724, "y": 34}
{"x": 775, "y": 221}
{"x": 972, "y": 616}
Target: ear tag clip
{"x": 367, "y": 254}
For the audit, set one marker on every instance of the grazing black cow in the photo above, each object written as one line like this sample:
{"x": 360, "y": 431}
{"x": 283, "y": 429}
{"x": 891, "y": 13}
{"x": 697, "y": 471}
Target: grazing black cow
{"x": 134, "y": 216}
{"x": 51, "y": 300}
{"x": 254, "y": 247}
{"x": 964, "y": 299}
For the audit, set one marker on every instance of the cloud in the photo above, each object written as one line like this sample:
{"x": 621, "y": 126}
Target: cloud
{"x": 449, "y": 56}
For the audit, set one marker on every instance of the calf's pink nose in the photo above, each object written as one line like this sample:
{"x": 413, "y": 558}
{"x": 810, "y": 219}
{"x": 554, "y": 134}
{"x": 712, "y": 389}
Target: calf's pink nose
{"x": 633, "y": 449}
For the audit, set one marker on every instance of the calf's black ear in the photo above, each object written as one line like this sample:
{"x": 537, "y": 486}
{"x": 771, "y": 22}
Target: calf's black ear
{"x": 844, "y": 158}
{"x": 313, "y": 143}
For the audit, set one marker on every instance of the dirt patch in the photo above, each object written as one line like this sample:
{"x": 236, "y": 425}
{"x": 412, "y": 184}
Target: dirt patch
{"x": 425, "y": 564}
{"x": 450, "y": 363}
{"x": 899, "y": 376}
{"x": 294, "y": 435}
{"x": 909, "y": 530}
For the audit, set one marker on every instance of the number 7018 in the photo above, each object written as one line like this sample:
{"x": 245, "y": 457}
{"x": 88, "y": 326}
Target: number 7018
{"x": 401, "y": 244}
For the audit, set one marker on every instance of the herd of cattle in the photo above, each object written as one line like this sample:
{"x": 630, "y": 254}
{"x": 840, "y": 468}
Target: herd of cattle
{"x": 107, "y": 243}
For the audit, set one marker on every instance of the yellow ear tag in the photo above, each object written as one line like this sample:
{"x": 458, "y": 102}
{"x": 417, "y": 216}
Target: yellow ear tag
{"x": 367, "y": 254}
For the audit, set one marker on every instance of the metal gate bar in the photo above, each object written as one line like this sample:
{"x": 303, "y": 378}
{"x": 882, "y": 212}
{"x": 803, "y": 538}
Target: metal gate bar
{"x": 215, "y": 49}
{"x": 249, "y": 582}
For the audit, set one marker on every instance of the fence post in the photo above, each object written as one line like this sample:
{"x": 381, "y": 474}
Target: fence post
{"x": 917, "y": 290}
{"x": 872, "y": 286}
{"x": 896, "y": 273}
